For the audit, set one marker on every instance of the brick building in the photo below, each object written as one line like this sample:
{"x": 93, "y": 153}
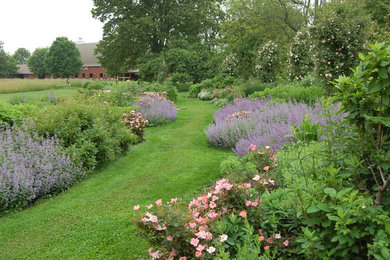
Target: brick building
{"x": 91, "y": 67}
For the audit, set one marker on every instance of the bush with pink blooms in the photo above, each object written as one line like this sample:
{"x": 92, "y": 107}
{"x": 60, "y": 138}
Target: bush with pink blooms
{"x": 136, "y": 122}
{"x": 214, "y": 222}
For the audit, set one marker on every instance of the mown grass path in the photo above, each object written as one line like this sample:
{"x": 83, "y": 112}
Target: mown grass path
{"x": 92, "y": 220}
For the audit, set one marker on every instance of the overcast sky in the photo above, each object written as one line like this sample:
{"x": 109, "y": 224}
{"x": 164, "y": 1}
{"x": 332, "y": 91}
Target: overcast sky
{"x": 33, "y": 24}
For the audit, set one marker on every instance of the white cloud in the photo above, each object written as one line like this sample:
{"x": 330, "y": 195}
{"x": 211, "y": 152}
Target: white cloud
{"x": 32, "y": 24}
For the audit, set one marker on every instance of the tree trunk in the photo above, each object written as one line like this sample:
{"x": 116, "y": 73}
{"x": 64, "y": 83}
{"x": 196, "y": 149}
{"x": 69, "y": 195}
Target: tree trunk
{"x": 67, "y": 81}
{"x": 382, "y": 189}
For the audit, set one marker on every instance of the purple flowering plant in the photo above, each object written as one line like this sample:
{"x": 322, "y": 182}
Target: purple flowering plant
{"x": 32, "y": 167}
{"x": 157, "y": 109}
{"x": 260, "y": 122}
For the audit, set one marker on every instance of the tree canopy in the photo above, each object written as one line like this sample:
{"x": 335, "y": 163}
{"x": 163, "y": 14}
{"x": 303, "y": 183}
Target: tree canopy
{"x": 63, "y": 58}
{"x": 21, "y": 55}
{"x": 36, "y": 62}
{"x": 7, "y": 63}
{"x": 136, "y": 32}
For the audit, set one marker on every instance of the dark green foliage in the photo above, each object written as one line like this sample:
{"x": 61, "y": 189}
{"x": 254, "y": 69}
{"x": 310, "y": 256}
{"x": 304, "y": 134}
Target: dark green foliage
{"x": 306, "y": 132}
{"x": 21, "y": 55}
{"x": 11, "y": 114}
{"x": 251, "y": 86}
{"x": 93, "y": 133}
{"x": 7, "y": 63}
{"x": 365, "y": 96}
{"x": 36, "y": 62}
{"x": 63, "y": 58}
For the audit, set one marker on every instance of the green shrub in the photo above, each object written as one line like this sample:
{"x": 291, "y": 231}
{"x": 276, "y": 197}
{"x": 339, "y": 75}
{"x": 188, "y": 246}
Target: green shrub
{"x": 252, "y": 86}
{"x": 307, "y": 95}
{"x": 268, "y": 63}
{"x": 300, "y": 58}
{"x": 339, "y": 34}
{"x": 182, "y": 81}
{"x": 205, "y": 95}
{"x": 11, "y": 114}
{"x": 195, "y": 90}
{"x": 93, "y": 133}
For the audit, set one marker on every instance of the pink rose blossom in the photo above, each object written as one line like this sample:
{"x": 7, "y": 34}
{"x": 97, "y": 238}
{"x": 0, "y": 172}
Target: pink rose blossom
{"x": 261, "y": 238}
{"x": 200, "y": 248}
{"x": 154, "y": 219}
{"x": 266, "y": 247}
{"x": 285, "y": 243}
{"x": 137, "y": 207}
{"x": 159, "y": 202}
{"x": 192, "y": 225}
{"x": 150, "y": 206}
{"x": 243, "y": 214}
{"x": 173, "y": 200}
{"x": 256, "y": 178}
{"x": 169, "y": 238}
{"x": 247, "y": 185}
{"x": 252, "y": 147}
{"x": 198, "y": 254}
{"x": 248, "y": 203}
{"x": 212, "y": 205}
{"x": 194, "y": 241}
{"x": 183, "y": 258}
{"x": 277, "y": 236}
{"x": 214, "y": 198}
{"x": 266, "y": 168}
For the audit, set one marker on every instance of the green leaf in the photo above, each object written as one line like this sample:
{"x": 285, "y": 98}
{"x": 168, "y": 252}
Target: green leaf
{"x": 386, "y": 100}
{"x": 331, "y": 192}
{"x": 361, "y": 56}
{"x": 383, "y": 73}
{"x": 385, "y": 253}
{"x": 312, "y": 209}
{"x": 324, "y": 207}
{"x": 384, "y": 63}
{"x": 334, "y": 218}
{"x": 312, "y": 221}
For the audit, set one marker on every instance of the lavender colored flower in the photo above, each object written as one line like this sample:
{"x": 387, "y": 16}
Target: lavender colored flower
{"x": 157, "y": 110}
{"x": 31, "y": 167}
{"x": 256, "y": 122}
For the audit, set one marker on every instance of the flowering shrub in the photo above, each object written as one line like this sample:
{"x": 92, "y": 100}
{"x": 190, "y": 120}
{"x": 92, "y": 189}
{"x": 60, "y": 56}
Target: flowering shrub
{"x": 205, "y": 95}
{"x": 157, "y": 110}
{"x": 32, "y": 167}
{"x": 339, "y": 34}
{"x": 199, "y": 229}
{"x": 136, "y": 123}
{"x": 268, "y": 63}
{"x": 265, "y": 124}
{"x": 300, "y": 59}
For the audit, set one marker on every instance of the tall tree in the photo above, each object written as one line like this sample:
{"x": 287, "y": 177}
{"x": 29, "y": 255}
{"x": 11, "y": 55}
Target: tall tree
{"x": 135, "y": 31}
{"x": 36, "y": 62}
{"x": 7, "y": 63}
{"x": 21, "y": 55}
{"x": 63, "y": 58}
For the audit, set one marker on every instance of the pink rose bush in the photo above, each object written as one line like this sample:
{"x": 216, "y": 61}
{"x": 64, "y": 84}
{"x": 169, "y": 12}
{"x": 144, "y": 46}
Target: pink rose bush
{"x": 136, "y": 122}
{"x": 195, "y": 230}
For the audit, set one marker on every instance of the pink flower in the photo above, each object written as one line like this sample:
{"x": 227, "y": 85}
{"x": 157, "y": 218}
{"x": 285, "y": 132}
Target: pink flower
{"x": 173, "y": 200}
{"x": 214, "y": 198}
{"x": 159, "y": 202}
{"x": 154, "y": 219}
{"x": 223, "y": 238}
{"x": 277, "y": 236}
{"x": 200, "y": 248}
{"x": 285, "y": 243}
{"x": 266, "y": 168}
{"x": 254, "y": 204}
{"x": 183, "y": 258}
{"x": 261, "y": 238}
{"x": 248, "y": 203}
{"x": 150, "y": 206}
{"x": 169, "y": 238}
{"x": 252, "y": 147}
{"x": 137, "y": 207}
{"x": 212, "y": 205}
{"x": 212, "y": 215}
{"x": 198, "y": 254}
{"x": 194, "y": 241}
{"x": 256, "y": 178}
{"x": 192, "y": 225}
{"x": 266, "y": 247}
{"x": 243, "y": 214}
{"x": 227, "y": 186}
{"x": 247, "y": 185}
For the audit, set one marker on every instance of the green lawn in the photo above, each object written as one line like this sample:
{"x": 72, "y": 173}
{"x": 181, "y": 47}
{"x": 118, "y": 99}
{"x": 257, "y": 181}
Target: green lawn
{"x": 64, "y": 92}
{"x": 92, "y": 220}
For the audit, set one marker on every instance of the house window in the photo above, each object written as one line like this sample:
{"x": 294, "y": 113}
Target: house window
{"x": 101, "y": 75}
{"x": 83, "y": 75}
{"x": 91, "y": 75}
